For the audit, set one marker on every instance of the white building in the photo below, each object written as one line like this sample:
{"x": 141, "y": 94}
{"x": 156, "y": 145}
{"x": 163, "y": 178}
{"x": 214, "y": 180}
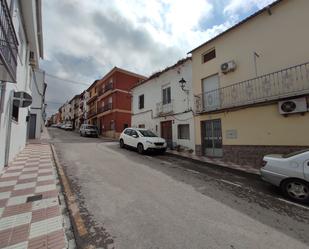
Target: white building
{"x": 161, "y": 105}
{"x": 21, "y": 47}
{"x": 37, "y": 108}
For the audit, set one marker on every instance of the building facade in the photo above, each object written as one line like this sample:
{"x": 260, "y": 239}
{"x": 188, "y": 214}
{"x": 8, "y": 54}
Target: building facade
{"x": 37, "y": 109}
{"x": 161, "y": 105}
{"x": 251, "y": 86}
{"x": 21, "y": 47}
{"x": 114, "y": 101}
{"x": 92, "y": 104}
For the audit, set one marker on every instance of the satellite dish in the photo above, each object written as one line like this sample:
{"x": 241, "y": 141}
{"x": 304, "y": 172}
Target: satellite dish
{"x": 22, "y": 99}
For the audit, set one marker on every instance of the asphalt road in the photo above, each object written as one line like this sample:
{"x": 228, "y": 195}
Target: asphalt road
{"x": 161, "y": 202}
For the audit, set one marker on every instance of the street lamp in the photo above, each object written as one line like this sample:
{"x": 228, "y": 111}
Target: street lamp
{"x": 182, "y": 83}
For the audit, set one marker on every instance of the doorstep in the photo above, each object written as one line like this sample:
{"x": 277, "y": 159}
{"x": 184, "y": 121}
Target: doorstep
{"x": 216, "y": 161}
{"x": 30, "y": 213}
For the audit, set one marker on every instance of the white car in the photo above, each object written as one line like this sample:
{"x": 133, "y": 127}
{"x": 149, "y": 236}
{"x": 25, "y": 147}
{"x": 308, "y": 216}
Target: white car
{"x": 68, "y": 127}
{"x": 142, "y": 140}
{"x": 290, "y": 172}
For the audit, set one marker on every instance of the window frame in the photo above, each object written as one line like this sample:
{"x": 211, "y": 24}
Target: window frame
{"x": 167, "y": 96}
{"x": 211, "y": 57}
{"x": 179, "y": 133}
{"x": 140, "y": 106}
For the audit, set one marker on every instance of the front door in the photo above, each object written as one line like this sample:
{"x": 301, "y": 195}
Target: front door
{"x": 212, "y": 138}
{"x": 32, "y": 127}
{"x": 167, "y": 132}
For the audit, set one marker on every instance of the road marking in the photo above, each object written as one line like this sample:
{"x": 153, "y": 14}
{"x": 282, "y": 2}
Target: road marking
{"x": 293, "y": 203}
{"x": 231, "y": 183}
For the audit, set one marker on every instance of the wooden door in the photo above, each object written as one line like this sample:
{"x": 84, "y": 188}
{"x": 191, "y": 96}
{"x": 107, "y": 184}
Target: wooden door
{"x": 167, "y": 132}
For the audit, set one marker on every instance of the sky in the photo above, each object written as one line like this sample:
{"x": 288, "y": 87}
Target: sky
{"x": 83, "y": 40}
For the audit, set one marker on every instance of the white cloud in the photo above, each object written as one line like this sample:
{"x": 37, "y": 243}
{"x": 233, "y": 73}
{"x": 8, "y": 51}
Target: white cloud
{"x": 236, "y": 6}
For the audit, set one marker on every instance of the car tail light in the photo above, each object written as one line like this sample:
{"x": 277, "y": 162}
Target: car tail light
{"x": 264, "y": 163}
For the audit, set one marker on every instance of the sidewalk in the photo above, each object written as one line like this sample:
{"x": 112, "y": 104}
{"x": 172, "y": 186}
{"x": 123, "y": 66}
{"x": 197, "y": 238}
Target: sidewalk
{"x": 215, "y": 161}
{"x": 30, "y": 214}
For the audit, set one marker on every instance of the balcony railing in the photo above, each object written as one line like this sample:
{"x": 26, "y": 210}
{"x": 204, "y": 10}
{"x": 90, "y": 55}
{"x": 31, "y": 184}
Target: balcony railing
{"x": 106, "y": 88}
{"x": 8, "y": 45}
{"x": 105, "y": 108}
{"x": 91, "y": 112}
{"x": 289, "y": 82}
{"x": 165, "y": 108}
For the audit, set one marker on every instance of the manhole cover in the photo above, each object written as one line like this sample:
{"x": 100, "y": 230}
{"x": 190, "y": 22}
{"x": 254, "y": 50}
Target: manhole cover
{"x": 34, "y": 198}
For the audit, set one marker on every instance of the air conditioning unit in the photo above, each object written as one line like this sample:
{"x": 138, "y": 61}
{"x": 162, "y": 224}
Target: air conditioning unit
{"x": 227, "y": 67}
{"x": 293, "y": 106}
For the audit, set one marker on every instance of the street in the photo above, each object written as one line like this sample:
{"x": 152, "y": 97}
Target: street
{"x": 151, "y": 201}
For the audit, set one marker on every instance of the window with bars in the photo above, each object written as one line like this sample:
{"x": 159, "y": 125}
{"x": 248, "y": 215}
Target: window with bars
{"x": 141, "y": 101}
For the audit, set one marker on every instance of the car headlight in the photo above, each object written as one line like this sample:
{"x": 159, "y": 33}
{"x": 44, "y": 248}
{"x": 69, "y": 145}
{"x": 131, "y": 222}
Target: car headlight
{"x": 149, "y": 142}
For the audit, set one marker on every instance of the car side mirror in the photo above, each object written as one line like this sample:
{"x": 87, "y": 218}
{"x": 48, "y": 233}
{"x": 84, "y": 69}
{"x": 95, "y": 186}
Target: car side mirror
{"x": 135, "y": 136}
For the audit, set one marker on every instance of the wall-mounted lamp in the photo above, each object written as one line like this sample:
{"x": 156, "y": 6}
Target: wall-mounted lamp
{"x": 182, "y": 84}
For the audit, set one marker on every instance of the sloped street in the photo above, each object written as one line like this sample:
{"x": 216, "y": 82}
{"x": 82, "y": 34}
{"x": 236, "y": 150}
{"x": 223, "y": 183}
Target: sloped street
{"x": 131, "y": 201}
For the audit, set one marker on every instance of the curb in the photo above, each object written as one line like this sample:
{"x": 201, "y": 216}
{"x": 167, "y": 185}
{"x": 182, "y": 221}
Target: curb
{"x": 79, "y": 228}
{"x": 217, "y": 166}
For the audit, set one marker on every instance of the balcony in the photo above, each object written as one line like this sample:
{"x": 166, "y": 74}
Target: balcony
{"x": 105, "y": 108}
{"x": 107, "y": 87}
{"x": 8, "y": 45}
{"x": 289, "y": 82}
{"x": 164, "y": 109}
{"x": 91, "y": 112}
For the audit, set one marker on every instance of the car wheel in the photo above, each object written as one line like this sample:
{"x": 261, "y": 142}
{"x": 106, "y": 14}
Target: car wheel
{"x": 296, "y": 189}
{"x": 140, "y": 148}
{"x": 80, "y": 134}
{"x": 121, "y": 143}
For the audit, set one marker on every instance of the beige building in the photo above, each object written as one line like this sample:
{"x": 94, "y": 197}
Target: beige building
{"x": 251, "y": 86}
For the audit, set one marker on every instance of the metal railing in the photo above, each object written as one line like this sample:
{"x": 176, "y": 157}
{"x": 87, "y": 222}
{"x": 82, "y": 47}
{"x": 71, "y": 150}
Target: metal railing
{"x": 91, "y": 112}
{"x": 106, "y": 88}
{"x": 105, "y": 108}
{"x": 165, "y": 108}
{"x": 288, "y": 82}
{"x": 8, "y": 42}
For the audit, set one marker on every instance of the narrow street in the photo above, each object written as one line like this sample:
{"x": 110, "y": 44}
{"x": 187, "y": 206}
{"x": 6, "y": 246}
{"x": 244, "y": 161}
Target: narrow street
{"x": 137, "y": 201}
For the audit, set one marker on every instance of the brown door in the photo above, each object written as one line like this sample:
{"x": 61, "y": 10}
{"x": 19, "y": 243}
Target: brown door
{"x": 167, "y": 132}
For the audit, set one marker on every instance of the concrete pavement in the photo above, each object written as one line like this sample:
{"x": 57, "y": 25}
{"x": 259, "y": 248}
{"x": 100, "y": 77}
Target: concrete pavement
{"x": 133, "y": 201}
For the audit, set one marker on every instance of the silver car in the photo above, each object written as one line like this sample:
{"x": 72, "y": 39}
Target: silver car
{"x": 88, "y": 130}
{"x": 290, "y": 172}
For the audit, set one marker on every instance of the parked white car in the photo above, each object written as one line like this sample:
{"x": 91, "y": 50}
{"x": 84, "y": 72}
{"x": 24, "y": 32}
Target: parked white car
{"x": 142, "y": 140}
{"x": 68, "y": 127}
{"x": 290, "y": 172}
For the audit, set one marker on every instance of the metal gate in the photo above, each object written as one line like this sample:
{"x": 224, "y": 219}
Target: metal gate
{"x": 212, "y": 137}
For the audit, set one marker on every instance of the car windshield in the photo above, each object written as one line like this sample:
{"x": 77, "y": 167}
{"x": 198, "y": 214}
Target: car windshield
{"x": 147, "y": 133}
{"x": 93, "y": 127}
{"x": 294, "y": 153}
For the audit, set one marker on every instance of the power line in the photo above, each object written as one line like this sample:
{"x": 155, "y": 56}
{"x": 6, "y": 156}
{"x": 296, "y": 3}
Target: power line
{"x": 69, "y": 81}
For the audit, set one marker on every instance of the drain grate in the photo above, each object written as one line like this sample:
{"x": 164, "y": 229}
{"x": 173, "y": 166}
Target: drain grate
{"x": 34, "y": 198}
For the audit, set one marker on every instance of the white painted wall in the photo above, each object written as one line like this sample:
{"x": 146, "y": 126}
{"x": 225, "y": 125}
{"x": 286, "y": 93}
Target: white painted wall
{"x": 152, "y": 91}
{"x": 38, "y": 97}
{"x": 19, "y": 129}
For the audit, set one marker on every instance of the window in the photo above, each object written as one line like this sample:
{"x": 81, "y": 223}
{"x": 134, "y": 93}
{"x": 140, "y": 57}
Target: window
{"x": 134, "y": 133}
{"x": 183, "y": 131}
{"x": 15, "y": 113}
{"x": 209, "y": 55}
{"x": 127, "y": 131}
{"x": 112, "y": 125}
{"x": 166, "y": 95}
{"x": 141, "y": 101}
{"x": 141, "y": 126}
